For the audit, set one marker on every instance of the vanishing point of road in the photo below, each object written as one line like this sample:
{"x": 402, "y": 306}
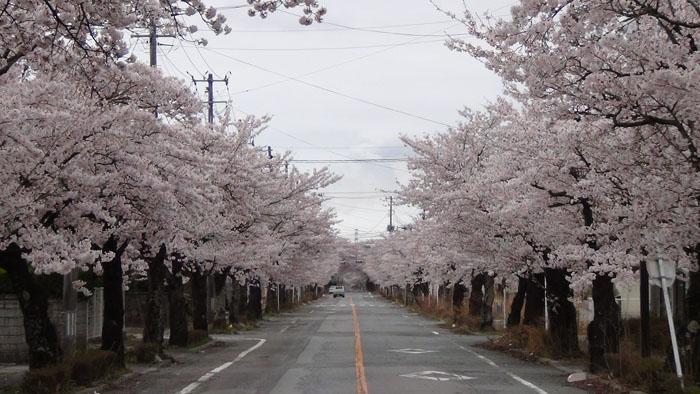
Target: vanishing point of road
{"x": 360, "y": 344}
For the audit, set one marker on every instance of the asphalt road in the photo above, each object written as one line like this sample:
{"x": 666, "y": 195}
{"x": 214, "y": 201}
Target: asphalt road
{"x": 361, "y": 344}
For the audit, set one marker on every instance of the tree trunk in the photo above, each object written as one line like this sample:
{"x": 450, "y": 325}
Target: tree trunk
{"x": 177, "y": 306}
{"x": 243, "y": 301}
{"x": 154, "y": 313}
{"x": 255, "y": 301}
{"x": 476, "y": 296}
{"x": 562, "y": 314}
{"x": 604, "y": 330}
{"x": 534, "y": 304}
{"x": 516, "y": 306}
{"x": 458, "y": 303}
{"x": 199, "y": 300}
{"x": 487, "y": 306}
{"x": 283, "y": 296}
{"x": 218, "y": 301}
{"x": 644, "y": 316}
{"x": 113, "y": 315}
{"x": 234, "y": 312}
{"x": 271, "y": 299}
{"x": 39, "y": 333}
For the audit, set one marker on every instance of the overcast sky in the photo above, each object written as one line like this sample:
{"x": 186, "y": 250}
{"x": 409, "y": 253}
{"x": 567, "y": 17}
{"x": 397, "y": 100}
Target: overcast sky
{"x": 385, "y": 52}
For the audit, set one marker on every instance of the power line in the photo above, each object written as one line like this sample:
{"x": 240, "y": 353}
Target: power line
{"x": 350, "y": 161}
{"x": 309, "y": 143}
{"x": 351, "y": 198}
{"x": 362, "y": 147}
{"x": 374, "y": 30}
{"x": 172, "y": 64}
{"x": 328, "y": 90}
{"x": 359, "y": 192}
{"x": 336, "y": 65}
{"x": 313, "y": 49}
{"x": 206, "y": 63}
{"x": 187, "y": 55}
{"x": 311, "y": 30}
{"x": 356, "y": 207}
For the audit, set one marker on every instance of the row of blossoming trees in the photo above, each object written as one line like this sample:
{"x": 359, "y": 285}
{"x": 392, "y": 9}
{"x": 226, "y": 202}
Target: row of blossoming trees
{"x": 585, "y": 170}
{"x": 106, "y": 168}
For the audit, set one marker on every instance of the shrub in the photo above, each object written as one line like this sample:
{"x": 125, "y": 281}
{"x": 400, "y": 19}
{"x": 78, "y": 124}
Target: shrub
{"x": 48, "y": 380}
{"x": 197, "y": 337}
{"x": 92, "y": 365}
{"x": 650, "y": 374}
{"x": 532, "y": 340}
{"x": 145, "y": 353}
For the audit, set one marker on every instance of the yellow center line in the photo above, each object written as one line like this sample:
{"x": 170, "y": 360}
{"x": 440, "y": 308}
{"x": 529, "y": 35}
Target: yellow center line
{"x": 359, "y": 357}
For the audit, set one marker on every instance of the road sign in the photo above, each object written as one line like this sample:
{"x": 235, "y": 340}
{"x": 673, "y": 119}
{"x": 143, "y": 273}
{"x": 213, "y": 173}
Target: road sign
{"x": 661, "y": 269}
{"x": 662, "y": 274}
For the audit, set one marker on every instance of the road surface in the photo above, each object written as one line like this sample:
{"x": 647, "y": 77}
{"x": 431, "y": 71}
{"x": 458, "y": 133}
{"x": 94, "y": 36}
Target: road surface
{"x": 361, "y": 344}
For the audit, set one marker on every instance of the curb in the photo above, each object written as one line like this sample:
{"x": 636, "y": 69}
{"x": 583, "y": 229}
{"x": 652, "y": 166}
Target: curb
{"x": 132, "y": 374}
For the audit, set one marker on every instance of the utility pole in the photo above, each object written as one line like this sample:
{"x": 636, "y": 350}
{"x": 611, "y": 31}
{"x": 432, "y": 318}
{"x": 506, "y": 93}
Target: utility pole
{"x": 153, "y": 37}
{"x": 356, "y": 238}
{"x": 390, "y": 228}
{"x": 210, "y": 95}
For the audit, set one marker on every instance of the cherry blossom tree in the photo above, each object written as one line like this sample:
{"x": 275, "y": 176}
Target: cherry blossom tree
{"x": 94, "y": 181}
{"x": 624, "y": 72}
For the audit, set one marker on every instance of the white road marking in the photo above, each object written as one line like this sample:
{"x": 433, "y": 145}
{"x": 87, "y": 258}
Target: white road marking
{"x": 412, "y": 351}
{"x": 437, "y": 376}
{"x": 193, "y": 386}
{"x": 436, "y": 333}
{"x": 526, "y": 383}
{"x": 512, "y": 375}
{"x": 285, "y": 328}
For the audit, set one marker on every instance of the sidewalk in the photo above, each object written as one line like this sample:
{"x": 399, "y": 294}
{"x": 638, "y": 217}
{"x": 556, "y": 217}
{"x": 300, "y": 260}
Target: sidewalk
{"x": 12, "y": 374}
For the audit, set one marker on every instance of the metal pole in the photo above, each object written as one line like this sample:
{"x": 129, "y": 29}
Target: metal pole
{"x": 671, "y": 326}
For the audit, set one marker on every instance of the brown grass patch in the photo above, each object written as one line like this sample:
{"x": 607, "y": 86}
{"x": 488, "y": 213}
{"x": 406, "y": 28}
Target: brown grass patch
{"x": 524, "y": 341}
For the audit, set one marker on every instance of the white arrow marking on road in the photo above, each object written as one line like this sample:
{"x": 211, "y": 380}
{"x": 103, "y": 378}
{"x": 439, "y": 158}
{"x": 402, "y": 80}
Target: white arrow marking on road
{"x": 437, "y": 376}
{"x": 412, "y": 351}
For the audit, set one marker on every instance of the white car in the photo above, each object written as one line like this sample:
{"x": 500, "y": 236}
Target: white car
{"x": 337, "y": 291}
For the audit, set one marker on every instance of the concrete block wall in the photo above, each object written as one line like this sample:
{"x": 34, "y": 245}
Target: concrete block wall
{"x": 13, "y": 346}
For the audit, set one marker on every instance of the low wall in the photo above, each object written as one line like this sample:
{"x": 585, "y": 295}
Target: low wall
{"x": 74, "y": 328}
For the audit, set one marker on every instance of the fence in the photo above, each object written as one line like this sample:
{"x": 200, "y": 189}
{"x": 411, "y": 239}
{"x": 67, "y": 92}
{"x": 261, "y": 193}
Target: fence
{"x": 75, "y": 328}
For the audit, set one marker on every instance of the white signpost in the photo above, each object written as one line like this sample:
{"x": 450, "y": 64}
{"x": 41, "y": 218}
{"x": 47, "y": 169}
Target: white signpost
{"x": 662, "y": 274}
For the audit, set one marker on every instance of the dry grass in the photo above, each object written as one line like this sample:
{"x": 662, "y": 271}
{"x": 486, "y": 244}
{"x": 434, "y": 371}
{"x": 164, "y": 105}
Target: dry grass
{"x": 530, "y": 342}
{"x": 648, "y": 374}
